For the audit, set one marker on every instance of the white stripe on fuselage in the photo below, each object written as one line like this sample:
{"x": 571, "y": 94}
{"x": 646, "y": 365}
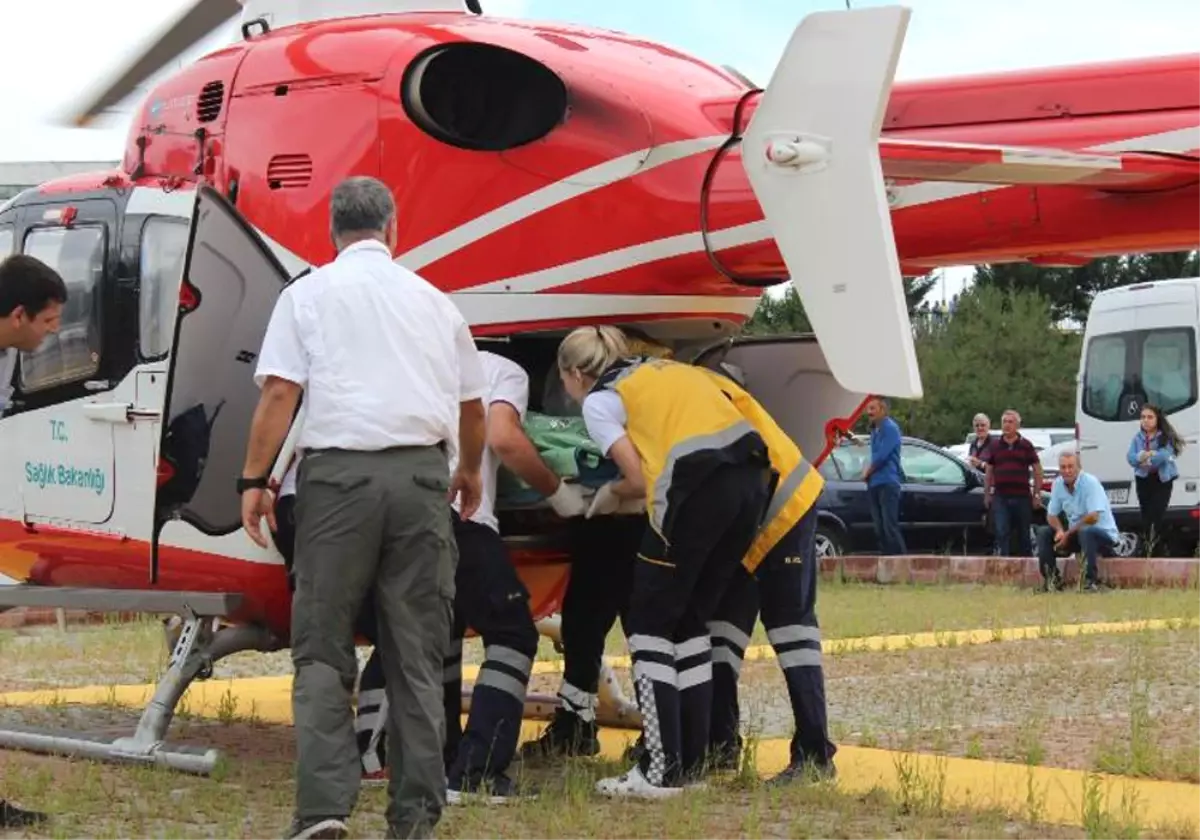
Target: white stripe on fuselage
{"x": 624, "y": 258}
{"x": 180, "y": 203}
{"x": 481, "y": 305}
{"x": 928, "y": 192}
{"x": 483, "y": 308}
{"x": 552, "y": 195}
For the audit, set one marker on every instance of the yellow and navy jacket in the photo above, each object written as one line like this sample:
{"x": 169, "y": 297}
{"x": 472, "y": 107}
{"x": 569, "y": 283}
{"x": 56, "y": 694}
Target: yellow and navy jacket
{"x": 683, "y": 427}
{"x": 799, "y": 484}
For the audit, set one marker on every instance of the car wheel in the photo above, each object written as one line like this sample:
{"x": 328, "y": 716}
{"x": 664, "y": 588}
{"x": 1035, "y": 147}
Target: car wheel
{"x": 1128, "y": 544}
{"x": 829, "y": 542}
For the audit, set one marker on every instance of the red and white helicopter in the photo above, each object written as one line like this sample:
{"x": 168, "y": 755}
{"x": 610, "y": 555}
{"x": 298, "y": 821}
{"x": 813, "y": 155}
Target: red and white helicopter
{"x": 548, "y": 176}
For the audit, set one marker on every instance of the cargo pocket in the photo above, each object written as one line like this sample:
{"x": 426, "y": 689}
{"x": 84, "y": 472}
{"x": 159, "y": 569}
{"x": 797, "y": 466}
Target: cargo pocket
{"x": 430, "y": 481}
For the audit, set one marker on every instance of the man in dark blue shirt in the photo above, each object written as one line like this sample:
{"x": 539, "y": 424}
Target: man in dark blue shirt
{"x": 884, "y": 477}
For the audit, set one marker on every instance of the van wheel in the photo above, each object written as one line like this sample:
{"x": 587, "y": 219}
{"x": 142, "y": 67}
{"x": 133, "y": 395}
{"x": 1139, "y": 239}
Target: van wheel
{"x": 1128, "y": 544}
{"x": 830, "y": 542}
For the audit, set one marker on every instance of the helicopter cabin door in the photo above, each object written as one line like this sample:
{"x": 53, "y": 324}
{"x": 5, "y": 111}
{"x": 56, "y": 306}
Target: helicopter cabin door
{"x": 790, "y": 377}
{"x": 59, "y": 446}
{"x": 228, "y": 290}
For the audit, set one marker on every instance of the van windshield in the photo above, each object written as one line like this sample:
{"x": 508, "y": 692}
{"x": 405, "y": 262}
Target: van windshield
{"x": 1123, "y": 371}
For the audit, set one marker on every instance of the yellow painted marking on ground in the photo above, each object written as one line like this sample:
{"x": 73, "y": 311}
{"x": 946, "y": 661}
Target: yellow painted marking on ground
{"x": 202, "y": 692}
{"x": 912, "y": 641}
{"x": 1045, "y": 793}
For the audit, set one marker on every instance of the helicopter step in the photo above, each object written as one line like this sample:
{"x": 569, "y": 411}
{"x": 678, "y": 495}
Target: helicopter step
{"x": 198, "y": 643}
{"x": 213, "y": 604}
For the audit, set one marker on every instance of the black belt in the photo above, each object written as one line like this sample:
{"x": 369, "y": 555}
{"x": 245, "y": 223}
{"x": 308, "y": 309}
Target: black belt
{"x": 440, "y": 445}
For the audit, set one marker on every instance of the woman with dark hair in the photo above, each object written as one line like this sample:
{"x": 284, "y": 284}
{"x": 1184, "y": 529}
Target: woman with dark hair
{"x": 1152, "y": 454}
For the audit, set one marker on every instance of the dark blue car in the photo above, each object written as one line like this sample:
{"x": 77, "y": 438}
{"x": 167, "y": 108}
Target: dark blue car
{"x": 941, "y": 506}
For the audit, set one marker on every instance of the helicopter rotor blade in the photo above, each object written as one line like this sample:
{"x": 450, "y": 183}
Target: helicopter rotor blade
{"x": 196, "y": 22}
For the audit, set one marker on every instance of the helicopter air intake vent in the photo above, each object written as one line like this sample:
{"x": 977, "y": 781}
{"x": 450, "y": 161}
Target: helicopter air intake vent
{"x": 208, "y": 106}
{"x": 482, "y": 97}
{"x": 289, "y": 172}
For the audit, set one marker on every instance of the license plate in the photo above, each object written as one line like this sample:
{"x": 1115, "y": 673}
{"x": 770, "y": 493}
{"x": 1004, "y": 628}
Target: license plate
{"x": 1118, "y": 495}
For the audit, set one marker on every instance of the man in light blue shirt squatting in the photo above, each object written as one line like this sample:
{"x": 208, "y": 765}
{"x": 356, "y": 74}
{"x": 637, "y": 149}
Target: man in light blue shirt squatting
{"x": 1091, "y": 527}
{"x": 884, "y": 477}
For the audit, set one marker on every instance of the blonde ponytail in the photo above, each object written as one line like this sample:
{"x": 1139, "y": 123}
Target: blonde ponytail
{"x": 591, "y": 350}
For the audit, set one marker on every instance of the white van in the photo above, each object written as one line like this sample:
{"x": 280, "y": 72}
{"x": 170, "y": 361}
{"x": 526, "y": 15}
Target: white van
{"x": 1140, "y": 346}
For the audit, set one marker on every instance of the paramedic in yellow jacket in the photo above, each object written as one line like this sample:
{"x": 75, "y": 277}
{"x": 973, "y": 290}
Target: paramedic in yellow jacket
{"x": 705, "y": 474}
{"x": 780, "y": 570}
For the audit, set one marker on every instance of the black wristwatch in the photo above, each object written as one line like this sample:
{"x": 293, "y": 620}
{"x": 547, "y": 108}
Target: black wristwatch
{"x": 244, "y": 484}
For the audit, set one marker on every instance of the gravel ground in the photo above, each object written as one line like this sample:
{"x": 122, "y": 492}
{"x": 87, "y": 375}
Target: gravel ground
{"x": 1128, "y": 703}
{"x": 1068, "y": 703}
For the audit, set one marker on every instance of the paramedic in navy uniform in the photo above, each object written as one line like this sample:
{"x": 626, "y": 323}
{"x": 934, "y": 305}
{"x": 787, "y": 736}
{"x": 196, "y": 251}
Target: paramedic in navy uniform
{"x": 391, "y": 380}
{"x": 705, "y": 474}
{"x": 31, "y": 300}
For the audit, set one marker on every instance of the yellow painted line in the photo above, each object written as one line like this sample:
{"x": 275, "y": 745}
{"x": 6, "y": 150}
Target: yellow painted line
{"x": 201, "y": 692}
{"x": 913, "y": 641}
{"x": 1044, "y": 794}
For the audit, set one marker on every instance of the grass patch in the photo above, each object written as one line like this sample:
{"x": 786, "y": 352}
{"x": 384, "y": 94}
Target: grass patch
{"x": 254, "y": 799}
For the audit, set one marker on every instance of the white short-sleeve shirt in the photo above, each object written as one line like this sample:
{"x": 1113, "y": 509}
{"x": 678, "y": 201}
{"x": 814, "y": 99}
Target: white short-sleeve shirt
{"x": 287, "y": 487}
{"x": 507, "y": 383}
{"x": 605, "y": 417}
{"x": 383, "y": 356}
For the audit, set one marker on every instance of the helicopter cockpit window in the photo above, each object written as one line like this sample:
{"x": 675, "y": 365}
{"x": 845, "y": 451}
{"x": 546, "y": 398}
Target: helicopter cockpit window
{"x": 164, "y": 245}
{"x": 482, "y": 97}
{"x": 73, "y": 353}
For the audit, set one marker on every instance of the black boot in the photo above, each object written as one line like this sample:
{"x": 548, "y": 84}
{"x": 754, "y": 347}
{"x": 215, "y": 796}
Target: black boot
{"x": 13, "y": 817}
{"x": 805, "y": 771}
{"x": 567, "y": 735}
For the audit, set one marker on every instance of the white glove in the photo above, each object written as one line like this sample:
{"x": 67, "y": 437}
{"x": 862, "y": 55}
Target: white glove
{"x": 605, "y": 502}
{"x": 632, "y": 506}
{"x": 568, "y": 501}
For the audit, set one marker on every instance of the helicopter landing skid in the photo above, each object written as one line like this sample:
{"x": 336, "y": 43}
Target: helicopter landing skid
{"x": 199, "y": 644}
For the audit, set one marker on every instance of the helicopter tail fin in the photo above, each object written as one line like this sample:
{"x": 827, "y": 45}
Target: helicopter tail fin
{"x": 811, "y": 152}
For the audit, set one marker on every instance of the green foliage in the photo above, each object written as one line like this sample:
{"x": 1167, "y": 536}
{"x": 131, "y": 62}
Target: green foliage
{"x": 1000, "y": 350}
{"x": 784, "y": 314}
{"x": 779, "y": 315}
{"x": 1070, "y": 290}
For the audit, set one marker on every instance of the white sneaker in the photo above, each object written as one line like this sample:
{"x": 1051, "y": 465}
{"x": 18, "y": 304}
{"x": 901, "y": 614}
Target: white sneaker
{"x": 636, "y": 785}
{"x": 330, "y": 829}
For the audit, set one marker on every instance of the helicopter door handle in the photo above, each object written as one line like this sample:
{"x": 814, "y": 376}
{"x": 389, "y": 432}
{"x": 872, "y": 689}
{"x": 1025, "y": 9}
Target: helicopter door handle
{"x": 107, "y": 412}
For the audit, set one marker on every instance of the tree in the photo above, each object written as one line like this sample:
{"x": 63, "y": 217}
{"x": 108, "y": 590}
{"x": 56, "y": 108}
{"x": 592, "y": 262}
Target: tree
{"x": 784, "y": 314}
{"x": 1000, "y": 350}
{"x": 1070, "y": 290}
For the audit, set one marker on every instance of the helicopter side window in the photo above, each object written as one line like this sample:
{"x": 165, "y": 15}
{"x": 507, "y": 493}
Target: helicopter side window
{"x": 73, "y": 353}
{"x": 6, "y": 242}
{"x": 164, "y": 245}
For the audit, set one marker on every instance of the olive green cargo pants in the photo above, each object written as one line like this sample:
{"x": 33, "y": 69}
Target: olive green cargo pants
{"x": 372, "y": 523}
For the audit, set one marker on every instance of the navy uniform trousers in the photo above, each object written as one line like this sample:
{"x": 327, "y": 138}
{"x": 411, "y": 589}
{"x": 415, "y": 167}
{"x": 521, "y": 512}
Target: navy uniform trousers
{"x": 489, "y": 598}
{"x": 785, "y": 584}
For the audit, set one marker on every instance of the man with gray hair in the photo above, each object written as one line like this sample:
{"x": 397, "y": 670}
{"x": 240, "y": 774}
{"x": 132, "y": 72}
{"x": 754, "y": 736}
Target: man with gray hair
{"x": 982, "y": 443}
{"x": 1079, "y": 498}
{"x": 393, "y": 385}
{"x": 1009, "y": 491}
